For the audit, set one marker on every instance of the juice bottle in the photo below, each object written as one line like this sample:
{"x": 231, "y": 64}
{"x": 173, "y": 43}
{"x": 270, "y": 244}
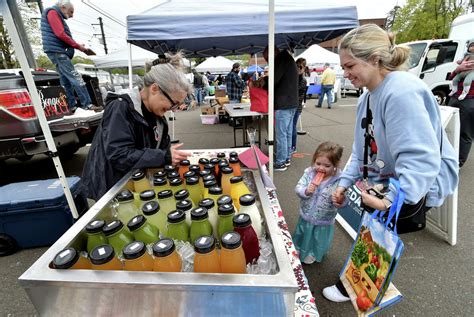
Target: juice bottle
{"x": 136, "y": 258}
{"x": 208, "y": 184}
{"x": 151, "y": 210}
{"x": 142, "y": 230}
{"x": 183, "y": 168}
{"x": 117, "y": 235}
{"x": 95, "y": 236}
{"x": 192, "y": 185}
{"x": 211, "y": 167}
{"x": 126, "y": 209}
{"x": 169, "y": 169}
{"x": 238, "y": 189}
{"x": 221, "y": 155}
{"x": 225, "y": 219}
{"x": 224, "y": 200}
{"x": 159, "y": 174}
{"x": 183, "y": 194}
{"x": 194, "y": 168}
{"x": 214, "y": 193}
{"x": 159, "y": 184}
{"x": 222, "y": 164}
{"x": 210, "y": 206}
{"x": 202, "y": 175}
{"x": 206, "y": 259}
{"x": 200, "y": 225}
{"x": 235, "y": 164}
{"x": 233, "y": 154}
{"x": 171, "y": 175}
{"x": 103, "y": 257}
{"x": 176, "y": 184}
{"x": 186, "y": 206}
{"x": 146, "y": 196}
{"x": 69, "y": 258}
{"x": 248, "y": 206}
{"x": 243, "y": 226}
{"x": 166, "y": 257}
{"x": 232, "y": 255}
{"x": 188, "y": 174}
{"x": 203, "y": 161}
{"x": 167, "y": 203}
{"x": 178, "y": 229}
{"x": 140, "y": 182}
{"x": 215, "y": 162}
{"x": 227, "y": 174}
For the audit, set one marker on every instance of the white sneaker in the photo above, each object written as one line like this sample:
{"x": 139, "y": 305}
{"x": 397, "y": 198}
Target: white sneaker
{"x": 309, "y": 260}
{"x": 452, "y": 92}
{"x": 463, "y": 95}
{"x": 334, "y": 295}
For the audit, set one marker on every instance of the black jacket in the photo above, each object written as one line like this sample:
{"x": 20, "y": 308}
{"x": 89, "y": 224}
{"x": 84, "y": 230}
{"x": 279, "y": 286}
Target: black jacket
{"x": 286, "y": 81}
{"x": 123, "y": 141}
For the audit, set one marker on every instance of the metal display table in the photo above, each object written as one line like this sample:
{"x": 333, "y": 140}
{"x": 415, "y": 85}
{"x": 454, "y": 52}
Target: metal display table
{"x": 242, "y": 110}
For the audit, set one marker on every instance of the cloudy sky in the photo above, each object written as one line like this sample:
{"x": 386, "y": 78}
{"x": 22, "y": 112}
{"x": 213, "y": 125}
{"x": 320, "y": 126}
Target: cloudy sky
{"x": 114, "y": 12}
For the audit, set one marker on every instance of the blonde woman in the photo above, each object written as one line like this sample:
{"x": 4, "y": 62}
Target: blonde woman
{"x": 406, "y": 140}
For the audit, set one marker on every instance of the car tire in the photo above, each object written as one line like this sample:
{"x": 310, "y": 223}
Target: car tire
{"x": 8, "y": 245}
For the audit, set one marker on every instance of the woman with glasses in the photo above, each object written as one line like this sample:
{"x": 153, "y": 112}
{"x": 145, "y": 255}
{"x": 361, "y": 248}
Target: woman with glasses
{"x": 133, "y": 133}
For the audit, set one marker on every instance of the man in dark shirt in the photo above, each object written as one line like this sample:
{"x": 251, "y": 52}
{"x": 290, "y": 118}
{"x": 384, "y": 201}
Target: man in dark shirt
{"x": 285, "y": 104}
{"x": 234, "y": 84}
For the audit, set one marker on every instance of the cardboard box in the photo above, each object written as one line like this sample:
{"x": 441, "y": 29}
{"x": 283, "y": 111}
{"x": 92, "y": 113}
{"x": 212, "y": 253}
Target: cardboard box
{"x": 220, "y": 93}
{"x": 206, "y": 110}
{"x": 209, "y": 119}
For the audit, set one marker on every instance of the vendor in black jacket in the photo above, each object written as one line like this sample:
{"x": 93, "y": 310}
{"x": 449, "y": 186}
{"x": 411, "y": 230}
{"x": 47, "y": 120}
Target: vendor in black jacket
{"x": 134, "y": 132}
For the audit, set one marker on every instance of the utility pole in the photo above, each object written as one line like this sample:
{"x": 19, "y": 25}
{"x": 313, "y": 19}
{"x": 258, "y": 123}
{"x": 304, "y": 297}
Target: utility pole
{"x": 102, "y": 33}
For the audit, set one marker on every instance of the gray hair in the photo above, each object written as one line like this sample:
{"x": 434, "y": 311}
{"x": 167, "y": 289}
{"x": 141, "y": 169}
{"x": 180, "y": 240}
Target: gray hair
{"x": 168, "y": 75}
{"x": 369, "y": 41}
{"x": 64, "y": 3}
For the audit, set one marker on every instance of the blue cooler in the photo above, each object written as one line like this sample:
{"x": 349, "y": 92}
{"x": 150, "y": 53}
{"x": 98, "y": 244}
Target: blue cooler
{"x": 36, "y": 213}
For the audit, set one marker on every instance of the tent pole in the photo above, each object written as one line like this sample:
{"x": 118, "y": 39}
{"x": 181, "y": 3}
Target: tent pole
{"x": 30, "y": 83}
{"x": 271, "y": 81}
{"x": 130, "y": 83}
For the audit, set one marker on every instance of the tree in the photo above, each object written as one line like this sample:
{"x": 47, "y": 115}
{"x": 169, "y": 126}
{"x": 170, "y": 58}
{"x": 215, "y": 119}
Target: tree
{"x": 44, "y": 62}
{"x": 426, "y": 19}
{"x": 5, "y": 45}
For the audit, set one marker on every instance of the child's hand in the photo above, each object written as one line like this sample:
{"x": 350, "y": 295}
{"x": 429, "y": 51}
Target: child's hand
{"x": 311, "y": 189}
{"x": 338, "y": 197}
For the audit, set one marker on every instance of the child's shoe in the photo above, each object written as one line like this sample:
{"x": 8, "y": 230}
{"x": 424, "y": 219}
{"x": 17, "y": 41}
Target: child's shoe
{"x": 309, "y": 260}
{"x": 452, "y": 93}
{"x": 463, "y": 94}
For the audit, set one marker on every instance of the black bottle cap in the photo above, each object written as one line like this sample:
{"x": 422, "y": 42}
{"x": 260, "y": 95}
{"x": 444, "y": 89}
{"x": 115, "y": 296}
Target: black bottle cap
{"x": 136, "y": 222}
{"x": 227, "y": 170}
{"x": 233, "y": 154}
{"x": 221, "y": 155}
{"x": 112, "y": 227}
{"x": 184, "y": 205}
{"x": 176, "y": 216}
{"x": 169, "y": 169}
{"x": 134, "y": 250}
{"x": 159, "y": 174}
{"x": 150, "y": 208}
{"x": 124, "y": 195}
{"x": 208, "y": 178}
{"x": 247, "y": 200}
{"x": 204, "y": 173}
{"x": 214, "y": 160}
{"x": 225, "y": 210}
{"x": 173, "y": 175}
{"x": 241, "y": 220}
{"x": 185, "y": 163}
{"x": 159, "y": 181}
{"x": 199, "y": 213}
{"x": 224, "y": 199}
{"x": 181, "y": 194}
{"x": 189, "y": 174}
{"x": 101, "y": 254}
{"x": 204, "y": 244}
{"x": 215, "y": 190}
{"x": 233, "y": 160}
{"x": 236, "y": 179}
{"x": 138, "y": 175}
{"x": 165, "y": 194}
{"x": 211, "y": 183}
{"x": 95, "y": 226}
{"x": 231, "y": 240}
{"x": 192, "y": 180}
{"x": 223, "y": 163}
{"x": 195, "y": 168}
{"x": 209, "y": 167}
{"x": 203, "y": 161}
{"x": 175, "y": 182}
{"x": 207, "y": 203}
{"x": 65, "y": 258}
{"x": 147, "y": 195}
{"x": 163, "y": 247}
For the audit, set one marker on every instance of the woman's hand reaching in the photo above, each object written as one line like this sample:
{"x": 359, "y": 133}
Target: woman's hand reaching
{"x": 178, "y": 155}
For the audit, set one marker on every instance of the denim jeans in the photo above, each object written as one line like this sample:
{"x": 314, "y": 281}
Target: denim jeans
{"x": 198, "y": 95}
{"x": 325, "y": 90}
{"x": 71, "y": 80}
{"x": 295, "y": 132}
{"x": 283, "y": 134}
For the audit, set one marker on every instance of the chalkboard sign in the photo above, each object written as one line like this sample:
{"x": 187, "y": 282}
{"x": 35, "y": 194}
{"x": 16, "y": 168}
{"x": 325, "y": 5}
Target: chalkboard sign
{"x": 350, "y": 215}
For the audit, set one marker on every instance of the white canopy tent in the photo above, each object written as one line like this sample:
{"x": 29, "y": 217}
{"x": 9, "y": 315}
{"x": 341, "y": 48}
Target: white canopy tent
{"x": 215, "y": 65}
{"x": 119, "y": 58}
{"x": 316, "y": 55}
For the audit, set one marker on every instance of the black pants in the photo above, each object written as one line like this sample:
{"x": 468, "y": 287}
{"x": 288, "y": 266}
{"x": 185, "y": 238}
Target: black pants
{"x": 466, "y": 115}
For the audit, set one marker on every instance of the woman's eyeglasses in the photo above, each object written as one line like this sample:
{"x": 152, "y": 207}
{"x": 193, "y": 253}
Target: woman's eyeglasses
{"x": 174, "y": 104}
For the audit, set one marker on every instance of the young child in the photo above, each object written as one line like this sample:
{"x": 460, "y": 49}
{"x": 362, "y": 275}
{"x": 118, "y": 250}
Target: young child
{"x": 468, "y": 75}
{"x": 315, "y": 229}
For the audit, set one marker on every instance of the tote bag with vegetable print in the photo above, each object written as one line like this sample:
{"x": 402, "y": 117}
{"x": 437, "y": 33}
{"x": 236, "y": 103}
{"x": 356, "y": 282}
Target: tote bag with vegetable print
{"x": 373, "y": 259}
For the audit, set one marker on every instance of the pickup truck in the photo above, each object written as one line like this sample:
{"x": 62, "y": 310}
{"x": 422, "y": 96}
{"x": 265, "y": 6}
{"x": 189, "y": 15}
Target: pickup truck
{"x": 21, "y": 136}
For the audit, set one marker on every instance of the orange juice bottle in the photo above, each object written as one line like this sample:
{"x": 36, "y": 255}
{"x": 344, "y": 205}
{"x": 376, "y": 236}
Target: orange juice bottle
{"x": 166, "y": 257}
{"x": 103, "y": 258}
{"x": 136, "y": 258}
{"x": 215, "y": 162}
{"x": 140, "y": 182}
{"x": 183, "y": 168}
{"x": 206, "y": 259}
{"x": 203, "y": 161}
{"x": 194, "y": 168}
{"x": 232, "y": 255}
{"x": 235, "y": 164}
{"x": 69, "y": 258}
{"x": 238, "y": 189}
{"x": 227, "y": 174}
